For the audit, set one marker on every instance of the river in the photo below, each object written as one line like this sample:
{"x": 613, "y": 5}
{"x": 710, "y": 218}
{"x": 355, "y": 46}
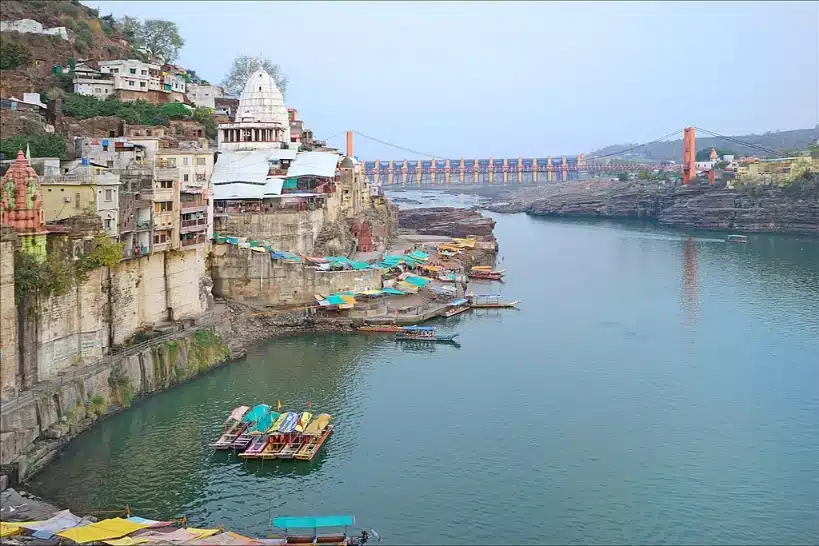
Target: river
{"x": 656, "y": 386}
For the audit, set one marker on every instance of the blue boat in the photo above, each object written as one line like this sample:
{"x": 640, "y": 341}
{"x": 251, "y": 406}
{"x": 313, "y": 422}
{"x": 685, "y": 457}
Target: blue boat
{"x": 423, "y": 333}
{"x": 307, "y": 530}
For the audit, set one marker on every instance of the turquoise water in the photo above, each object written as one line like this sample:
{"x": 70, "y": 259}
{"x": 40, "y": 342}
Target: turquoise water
{"x": 656, "y": 386}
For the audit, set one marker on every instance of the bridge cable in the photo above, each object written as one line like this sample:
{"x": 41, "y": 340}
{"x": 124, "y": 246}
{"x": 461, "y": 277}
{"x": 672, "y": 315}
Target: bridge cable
{"x": 633, "y": 147}
{"x": 737, "y": 141}
{"x": 416, "y": 152}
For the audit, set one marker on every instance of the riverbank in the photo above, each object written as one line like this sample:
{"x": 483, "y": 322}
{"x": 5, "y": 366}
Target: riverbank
{"x": 760, "y": 209}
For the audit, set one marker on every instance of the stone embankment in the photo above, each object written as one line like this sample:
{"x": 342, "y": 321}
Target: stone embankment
{"x": 761, "y": 209}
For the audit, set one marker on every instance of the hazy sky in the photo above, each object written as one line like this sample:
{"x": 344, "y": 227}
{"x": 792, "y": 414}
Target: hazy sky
{"x": 507, "y": 79}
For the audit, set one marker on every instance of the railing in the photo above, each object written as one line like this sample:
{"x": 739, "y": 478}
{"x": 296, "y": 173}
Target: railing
{"x": 163, "y": 194}
{"x": 192, "y": 206}
{"x": 166, "y": 173}
{"x": 159, "y": 247}
{"x": 193, "y": 241}
{"x": 194, "y": 225}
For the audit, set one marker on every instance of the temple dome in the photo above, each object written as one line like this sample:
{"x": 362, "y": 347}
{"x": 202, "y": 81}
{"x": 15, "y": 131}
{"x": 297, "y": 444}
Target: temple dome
{"x": 262, "y": 102}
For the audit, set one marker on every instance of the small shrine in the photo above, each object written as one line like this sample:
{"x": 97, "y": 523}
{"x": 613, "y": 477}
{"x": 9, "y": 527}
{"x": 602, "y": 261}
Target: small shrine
{"x": 21, "y": 205}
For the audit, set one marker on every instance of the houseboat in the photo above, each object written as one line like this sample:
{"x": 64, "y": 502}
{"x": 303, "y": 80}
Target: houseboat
{"x": 490, "y": 302}
{"x": 423, "y": 333}
{"x": 234, "y": 426}
{"x": 319, "y": 530}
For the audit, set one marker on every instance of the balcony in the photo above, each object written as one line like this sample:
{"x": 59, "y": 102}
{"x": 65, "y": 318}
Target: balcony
{"x": 159, "y": 247}
{"x": 188, "y": 207}
{"x": 198, "y": 224}
{"x": 163, "y": 194}
{"x": 144, "y": 225}
{"x": 194, "y": 240}
{"x": 135, "y": 252}
{"x": 163, "y": 220}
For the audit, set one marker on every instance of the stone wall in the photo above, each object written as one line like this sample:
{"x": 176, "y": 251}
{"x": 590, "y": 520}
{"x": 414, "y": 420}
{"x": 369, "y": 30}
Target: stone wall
{"x": 252, "y": 277}
{"x": 8, "y": 313}
{"x": 293, "y": 231}
{"x": 35, "y": 427}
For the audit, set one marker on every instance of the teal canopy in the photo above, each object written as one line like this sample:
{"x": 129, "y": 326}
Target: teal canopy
{"x": 417, "y": 281}
{"x": 314, "y": 522}
{"x": 335, "y": 300}
{"x": 256, "y": 413}
{"x": 264, "y": 422}
{"x": 392, "y": 291}
{"x": 290, "y": 184}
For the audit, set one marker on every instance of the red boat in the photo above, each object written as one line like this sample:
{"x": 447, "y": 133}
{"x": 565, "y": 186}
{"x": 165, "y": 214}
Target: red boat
{"x": 489, "y": 275}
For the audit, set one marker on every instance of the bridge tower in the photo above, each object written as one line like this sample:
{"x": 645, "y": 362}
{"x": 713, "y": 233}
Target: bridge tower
{"x": 689, "y": 155}
{"x": 520, "y": 170}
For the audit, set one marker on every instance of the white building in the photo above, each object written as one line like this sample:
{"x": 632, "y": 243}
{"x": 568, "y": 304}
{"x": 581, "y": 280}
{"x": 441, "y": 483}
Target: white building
{"x": 30, "y": 26}
{"x": 261, "y": 120}
{"x": 204, "y": 95}
{"x": 89, "y": 81}
{"x": 132, "y": 75}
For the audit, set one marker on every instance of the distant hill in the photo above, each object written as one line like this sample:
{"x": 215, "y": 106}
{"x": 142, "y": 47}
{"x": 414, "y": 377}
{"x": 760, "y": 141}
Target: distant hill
{"x": 781, "y": 141}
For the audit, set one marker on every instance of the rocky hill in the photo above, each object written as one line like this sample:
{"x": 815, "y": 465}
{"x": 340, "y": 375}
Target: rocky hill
{"x": 793, "y": 209}
{"x": 34, "y": 55}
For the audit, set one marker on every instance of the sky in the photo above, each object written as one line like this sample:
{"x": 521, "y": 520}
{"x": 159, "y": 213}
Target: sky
{"x": 509, "y": 79}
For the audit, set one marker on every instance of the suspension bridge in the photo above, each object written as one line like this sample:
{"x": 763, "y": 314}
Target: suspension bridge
{"x": 433, "y": 170}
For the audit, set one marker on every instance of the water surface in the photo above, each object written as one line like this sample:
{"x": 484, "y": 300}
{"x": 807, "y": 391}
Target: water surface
{"x": 657, "y": 386}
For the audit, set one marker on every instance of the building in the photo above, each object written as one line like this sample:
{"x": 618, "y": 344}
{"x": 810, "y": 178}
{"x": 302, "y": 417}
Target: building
{"x": 225, "y": 109}
{"x": 132, "y": 75}
{"x": 770, "y": 170}
{"x": 172, "y": 80}
{"x": 22, "y": 206}
{"x": 136, "y": 209}
{"x": 114, "y": 153}
{"x": 261, "y": 120}
{"x": 296, "y": 127}
{"x": 90, "y": 81}
{"x": 204, "y": 95}
{"x": 194, "y": 168}
{"x": 82, "y": 191}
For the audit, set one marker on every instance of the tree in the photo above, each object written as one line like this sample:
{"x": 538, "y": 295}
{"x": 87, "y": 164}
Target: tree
{"x": 175, "y": 110}
{"x": 243, "y": 66}
{"x": 48, "y": 145}
{"x": 162, "y": 39}
{"x": 644, "y": 175}
{"x": 131, "y": 30}
{"x": 622, "y": 177}
{"x": 13, "y": 54}
{"x": 204, "y": 116}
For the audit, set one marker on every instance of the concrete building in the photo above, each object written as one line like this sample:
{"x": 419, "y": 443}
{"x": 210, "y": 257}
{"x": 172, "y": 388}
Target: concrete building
{"x": 30, "y": 26}
{"x": 204, "y": 95}
{"x": 90, "y": 81}
{"x": 84, "y": 190}
{"x": 165, "y": 199}
{"x": 113, "y": 153}
{"x": 132, "y": 75}
{"x": 194, "y": 168}
{"x": 261, "y": 120}
{"x": 172, "y": 80}
{"x": 296, "y": 127}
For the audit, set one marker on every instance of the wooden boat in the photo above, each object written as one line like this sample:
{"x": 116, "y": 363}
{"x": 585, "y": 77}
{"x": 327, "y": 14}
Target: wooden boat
{"x": 291, "y": 447}
{"x": 309, "y": 530}
{"x": 381, "y": 328}
{"x": 736, "y": 239}
{"x": 271, "y": 450}
{"x": 233, "y": 428}
{"x": 250, "y": 418}
{"x": 312, "y": 444}
{"x": 456, "y": 308}
{"x": 488, "y": 275}
{"x": 423, "y": 333}
{"x": 490, "y": 302}
{"x": 256, "y": 446}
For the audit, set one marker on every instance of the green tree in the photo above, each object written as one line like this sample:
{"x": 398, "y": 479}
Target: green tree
{"x": 243, "y": 66}
{"x": 644, "y": 175}
{"x": 175, "y": 110}
{"x": 162, "y": 39}
{"x": 622, "y": 177}
{"x": 108, "y": 24}
{"x": 48, "y": 145}
{"x": 131, "y": 29}
{"x": 204, "y": 116}
{"x": 13, "y": 54}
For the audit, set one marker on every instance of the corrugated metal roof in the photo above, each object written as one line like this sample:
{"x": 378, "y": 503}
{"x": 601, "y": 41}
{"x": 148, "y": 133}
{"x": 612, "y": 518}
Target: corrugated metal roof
{"x": 240, "y": 190}
{"x": 314, "y": 164}
{"x": 242, "y": 166}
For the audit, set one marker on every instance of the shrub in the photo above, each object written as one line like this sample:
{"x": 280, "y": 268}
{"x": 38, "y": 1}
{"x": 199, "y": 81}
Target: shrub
{"x": 175, "y": 110}
{"x": 13, "y": 54}
{"x": 48, "y": 145}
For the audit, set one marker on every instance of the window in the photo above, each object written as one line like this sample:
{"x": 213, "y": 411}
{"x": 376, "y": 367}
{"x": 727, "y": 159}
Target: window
{"x": 185, "y": 178}
{"x": 109, "y": 195}
{"x": 201, "y": 161}
{"x": 184, "y": 160}
{"x": 110, "y": 163}
{"x": 160, "y": 237}
{"x": 115, "y": 71}
{"x": 166, "y": 185}
{"x": 133, "y": 70}
{"x": 144, "y": 72}
{"x": 97, "y": 90}
{"x": 77, "y": 201}
{"x": 131, "y": 83}
{"x": 142, "y": 84}
{"x": 105, "y": 147}
{"x": 172, "y": 162}
{"x": 106, "y": 90}
{"x": 163, "y": 206}
{"x": 108, "y": 223}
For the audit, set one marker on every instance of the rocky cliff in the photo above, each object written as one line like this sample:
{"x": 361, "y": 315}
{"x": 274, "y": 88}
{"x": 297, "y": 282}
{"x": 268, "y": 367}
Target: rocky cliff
{"x": 447, "y": 221}
{"x": 760, "y": 209}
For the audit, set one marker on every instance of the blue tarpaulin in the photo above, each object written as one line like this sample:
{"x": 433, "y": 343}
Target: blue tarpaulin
{"x": 313, "y": 523}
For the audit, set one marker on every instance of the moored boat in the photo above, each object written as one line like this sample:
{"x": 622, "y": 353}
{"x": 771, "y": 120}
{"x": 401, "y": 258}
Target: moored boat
{"x": 233, "y": 428}
{"x": 298, "y": 530}
{"x": 256, "y": 446}
{"x": 382, "y": 328}
{"x": 736, "y": 239}
{"x": 315, "y": 435}
{"x": 487, "y": 274}
{"x": 424, "y": 333}
{"x": 490, "y": 302}
{"x": 456, "y": 308}
{"x": 250, "y": 419}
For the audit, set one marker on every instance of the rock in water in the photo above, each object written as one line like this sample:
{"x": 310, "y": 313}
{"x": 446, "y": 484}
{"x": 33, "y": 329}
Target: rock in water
{"x": 446, "y": 221}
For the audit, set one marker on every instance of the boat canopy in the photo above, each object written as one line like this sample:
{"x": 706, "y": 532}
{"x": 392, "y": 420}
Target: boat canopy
{"x": 420, "y": 328}
{"x": 238, "y": 413}
{"x": 461, "y": 301}
{"x": 313, "y": 522}
{"x": 318, "y": 424}
{"x": 256, "y": 413}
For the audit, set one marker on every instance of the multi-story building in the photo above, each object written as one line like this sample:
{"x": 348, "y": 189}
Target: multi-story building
{"x": 296, "y": 127}
{"x": 84, "y": 190}
{"x": 173, "y": 82}
{"x": 89, "y": 81}
{"x": 116, "y": 152}
{"x": 165, "y": 199}
{"x": 204, "y": 95}
{"x": 136, "y": 209}
{"x": 132, "y": 75}
{"x": 194, "y": 168}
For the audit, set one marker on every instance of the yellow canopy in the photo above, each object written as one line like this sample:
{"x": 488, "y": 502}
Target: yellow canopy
{"x": 202, "y": 533}
{"x": 126, "y": 541}
{"x": 318, "y": 424}
{"x": 8, "y": 528}
{"x": 275, "y": 426}
{"x": 303, "y": 421}
{"x": 465, "y": 243}
{"x": 102, "y": 530}
{"x": 404, "y": 286}
{"x": 348, "y": 299}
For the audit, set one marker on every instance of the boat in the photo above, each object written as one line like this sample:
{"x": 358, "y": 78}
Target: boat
{"x": 256, "y": 446}
{"x": 304, "y": 420}
{"x": 315, "y": 434}
{"x": 423, "y": 333}
{"x": 382, "y": 328}
{"x": 250, "y": 419}
{"x": 736, "y": 239}
{"x": 456, "y": 308}
{"x": 289, "y": 423}
{"x": 490, "y": 302}
{"x": 487, "y": 274}
{"x": 292, "y": 445}
{"x": 305, "y": 530}
{"x": 233, "y": 428}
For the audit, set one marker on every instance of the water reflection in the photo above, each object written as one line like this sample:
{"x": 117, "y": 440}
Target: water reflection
{"x": 690, "y": 292}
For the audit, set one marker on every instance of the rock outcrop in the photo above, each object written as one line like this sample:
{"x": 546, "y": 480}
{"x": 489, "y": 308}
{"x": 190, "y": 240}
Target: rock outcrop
{"x": 446, "y": 221}
{"x": 760, "y": 209}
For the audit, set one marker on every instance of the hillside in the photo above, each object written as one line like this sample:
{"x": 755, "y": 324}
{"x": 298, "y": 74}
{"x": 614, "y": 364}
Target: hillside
{"x": 673, "y": 150}
{"x": 37, "y": 53}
